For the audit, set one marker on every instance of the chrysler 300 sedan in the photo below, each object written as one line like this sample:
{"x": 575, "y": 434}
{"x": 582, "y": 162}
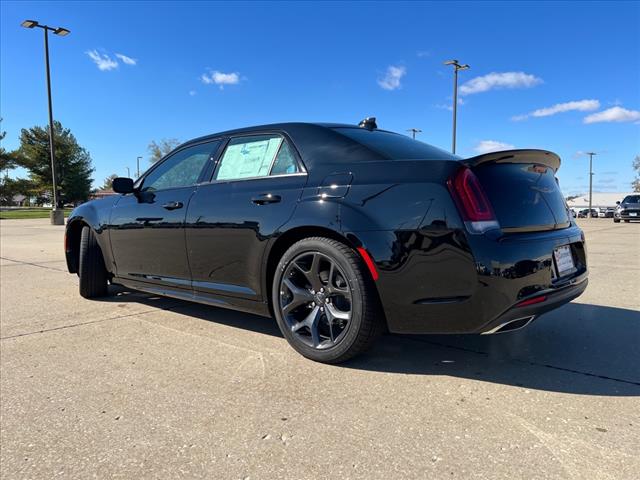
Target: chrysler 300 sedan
{"x": 340, "y": 232}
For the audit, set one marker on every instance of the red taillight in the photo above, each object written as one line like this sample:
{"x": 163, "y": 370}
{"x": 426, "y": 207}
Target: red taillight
{"x": 531, "y": 301}
{"x": 471, "y": 199}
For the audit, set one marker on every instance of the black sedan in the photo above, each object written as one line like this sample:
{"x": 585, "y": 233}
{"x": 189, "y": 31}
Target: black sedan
{"x": 339, "y": 231}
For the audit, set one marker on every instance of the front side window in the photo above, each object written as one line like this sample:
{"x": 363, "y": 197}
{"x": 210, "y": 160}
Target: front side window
{"x": 181, "y": 169}
{"x": 256, "y": 156}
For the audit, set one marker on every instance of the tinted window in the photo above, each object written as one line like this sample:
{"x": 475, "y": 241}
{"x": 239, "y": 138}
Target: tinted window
{"x": 181, "y": 169}
{"x": 394, "y": 146}
{"x": 248, "y": 157}
{"x": 285, "y": 161}
{"x": 631, "y": 199}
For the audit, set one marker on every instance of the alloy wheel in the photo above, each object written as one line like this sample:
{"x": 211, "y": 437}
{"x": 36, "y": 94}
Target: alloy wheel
{"x": 315, "y": 300}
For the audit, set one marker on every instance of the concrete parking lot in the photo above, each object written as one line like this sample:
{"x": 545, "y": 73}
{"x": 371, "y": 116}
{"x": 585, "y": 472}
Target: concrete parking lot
{"x": 135, "y": 386}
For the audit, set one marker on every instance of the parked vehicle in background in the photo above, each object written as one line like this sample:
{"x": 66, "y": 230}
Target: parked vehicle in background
{"x": 628, "y": 209}
{"x": 341, "y": 232}
{"x": 610, "y": 212}
{"x": 602, "y": 212}
{"x": 584, "y": 213}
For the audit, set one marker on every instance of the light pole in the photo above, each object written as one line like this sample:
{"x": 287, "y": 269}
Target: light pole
{"x": 414, "y": 131}
{"x": 57, "y": 216}
{"x": 128, "y": 172}
{"x": 138, "y": 164}
{"x": 591, "y": 154}
{"x": 456, "y": 67}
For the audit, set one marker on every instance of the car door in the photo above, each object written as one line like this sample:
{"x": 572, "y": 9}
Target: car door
{"x": 147, "y": 226}
{"x": 254, "y": 191}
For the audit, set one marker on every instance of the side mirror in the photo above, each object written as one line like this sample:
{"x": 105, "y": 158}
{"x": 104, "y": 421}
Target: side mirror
{"x": 122, "y": 185}
{"x": 618, "y": 203}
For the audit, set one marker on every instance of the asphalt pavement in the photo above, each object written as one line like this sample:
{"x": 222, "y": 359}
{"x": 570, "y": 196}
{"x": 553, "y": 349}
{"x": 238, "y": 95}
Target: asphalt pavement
{"x": 137, "y": 386}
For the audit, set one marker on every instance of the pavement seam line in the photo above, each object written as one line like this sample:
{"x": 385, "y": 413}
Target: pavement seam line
{"x": 19, "y": 262}
{"x": 80, "y": 324}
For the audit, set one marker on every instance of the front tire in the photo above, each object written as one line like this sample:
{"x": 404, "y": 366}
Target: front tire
{"x": 91, "y": 270}
{"x": 325, "y": 302}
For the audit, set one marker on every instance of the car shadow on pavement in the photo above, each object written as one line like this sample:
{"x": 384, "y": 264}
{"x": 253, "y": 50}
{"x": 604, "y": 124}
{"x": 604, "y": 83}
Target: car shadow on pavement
{"x": 578, "y": 348}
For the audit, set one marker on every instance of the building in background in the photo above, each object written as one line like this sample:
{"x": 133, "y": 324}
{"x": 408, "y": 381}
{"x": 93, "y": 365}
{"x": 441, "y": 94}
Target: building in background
{"x": 599, "y": 200}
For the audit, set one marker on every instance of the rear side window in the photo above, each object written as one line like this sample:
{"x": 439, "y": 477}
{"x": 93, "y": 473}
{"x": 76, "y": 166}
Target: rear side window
{"x": 256, "y": 156}
{"x": 394, "y": 146}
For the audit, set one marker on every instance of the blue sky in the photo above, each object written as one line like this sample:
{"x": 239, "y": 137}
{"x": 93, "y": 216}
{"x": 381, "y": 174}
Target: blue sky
{"x": 559, "y": 76}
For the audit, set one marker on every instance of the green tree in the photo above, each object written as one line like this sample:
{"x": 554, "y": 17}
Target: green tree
{"x": 7, "y": 159}
{"x": 636, "y": 166}
{"x": 157, "y": 150}
{"x": 107, "y": 185}
{"x": 73, "y": 162}
{"x": 10, "y": 187}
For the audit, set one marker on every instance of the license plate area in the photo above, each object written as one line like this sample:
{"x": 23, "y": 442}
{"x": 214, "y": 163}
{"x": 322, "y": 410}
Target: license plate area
{"x": 563, "y": 262}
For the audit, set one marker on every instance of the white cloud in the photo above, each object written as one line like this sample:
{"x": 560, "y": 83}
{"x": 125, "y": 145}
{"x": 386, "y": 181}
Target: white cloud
{"x": 391, "y": 79}
{"x": 613, "y": 114}
{"x": 423, "y": 53}
{"x": 494, "y": 81}
{"x": 126, "y": 60}
{"x": 486, "y": 146}
{"x": 102, "y": 60}
{"x": 578, "y": 105}
{"x": 192, "y": 93}
{"x": 449, "y": 106}
{"x": 220, "y": 78}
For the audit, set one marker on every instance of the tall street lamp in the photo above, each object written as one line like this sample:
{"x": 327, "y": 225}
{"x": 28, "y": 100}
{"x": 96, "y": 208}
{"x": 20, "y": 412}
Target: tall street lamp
{"x": 138, "y": 163}
{"x": 456, "y": 67}
{"x": 57, "y": 215}
{"x": 413, "y": 132}
{"x": 591, "y": 154}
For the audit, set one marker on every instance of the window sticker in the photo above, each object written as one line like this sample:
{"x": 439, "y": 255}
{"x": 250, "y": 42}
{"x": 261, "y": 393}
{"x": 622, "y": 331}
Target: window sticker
{"x": 248, "y": 159}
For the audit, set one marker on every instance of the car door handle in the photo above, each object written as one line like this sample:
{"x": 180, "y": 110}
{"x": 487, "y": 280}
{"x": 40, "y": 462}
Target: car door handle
{"x": 172, "y": 205}
{"x": 265, "y": 198}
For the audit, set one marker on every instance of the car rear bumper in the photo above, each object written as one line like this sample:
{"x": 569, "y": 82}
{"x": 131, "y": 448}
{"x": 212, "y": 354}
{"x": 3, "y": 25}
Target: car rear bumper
{"x": 521, "y": 316}
{"x": 444, "y": 281}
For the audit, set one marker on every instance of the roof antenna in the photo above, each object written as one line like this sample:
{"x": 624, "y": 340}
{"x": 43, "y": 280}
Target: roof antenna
{"x": 369, "y": 123}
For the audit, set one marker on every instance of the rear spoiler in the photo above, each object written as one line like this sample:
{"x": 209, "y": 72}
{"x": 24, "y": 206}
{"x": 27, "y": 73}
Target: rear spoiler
{"x": 540, "y": 157}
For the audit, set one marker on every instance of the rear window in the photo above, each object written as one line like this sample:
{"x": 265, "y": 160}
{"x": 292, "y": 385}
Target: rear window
{"x": 394, "y": 146}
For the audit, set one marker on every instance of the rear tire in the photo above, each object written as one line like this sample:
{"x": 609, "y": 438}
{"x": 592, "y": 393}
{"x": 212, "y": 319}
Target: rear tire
{"x": 91, "y": 270}
{"x": 331, "y": 307}
{"x": 616, "y": 220}
{"x": 627, "y": 221}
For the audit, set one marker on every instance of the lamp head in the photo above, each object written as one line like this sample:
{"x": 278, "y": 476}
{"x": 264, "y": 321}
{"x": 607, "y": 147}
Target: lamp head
{"x": 63, "y": 32}
{"x": 29, "y": 24}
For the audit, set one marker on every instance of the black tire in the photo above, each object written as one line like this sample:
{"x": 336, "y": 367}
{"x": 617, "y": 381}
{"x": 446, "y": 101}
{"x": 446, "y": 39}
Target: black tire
{"x": 616, "y": 220}
{"x": 627, "y": 221}
{"x": 365, "y": 322}
{"x": 91, "y": 270}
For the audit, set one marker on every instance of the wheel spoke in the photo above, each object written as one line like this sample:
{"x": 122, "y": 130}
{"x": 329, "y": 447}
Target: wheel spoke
{"x": 300, "y": 296}
{"x": 313, "y": 328}
{"x": 307, "y": 321}
{"x": 333, "y": 313}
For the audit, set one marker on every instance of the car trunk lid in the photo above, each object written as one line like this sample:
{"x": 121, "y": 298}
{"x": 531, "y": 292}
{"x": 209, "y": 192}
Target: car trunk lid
{"x": 522, "y": 189}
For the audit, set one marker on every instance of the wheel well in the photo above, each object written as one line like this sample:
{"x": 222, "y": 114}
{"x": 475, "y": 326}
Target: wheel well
{"x": 285, "y": 241}
{"x": 72, "y": 245}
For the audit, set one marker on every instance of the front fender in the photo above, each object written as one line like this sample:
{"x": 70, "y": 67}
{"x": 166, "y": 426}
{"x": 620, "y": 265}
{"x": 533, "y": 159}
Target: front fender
{"x": 94, "y": 214}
